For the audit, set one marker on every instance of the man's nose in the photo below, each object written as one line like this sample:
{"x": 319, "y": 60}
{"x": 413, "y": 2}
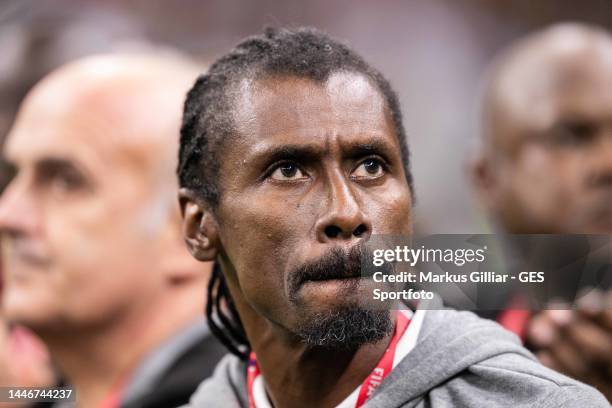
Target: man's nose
{"x": 343, "y": 218}
{"x": 17, "y": 212}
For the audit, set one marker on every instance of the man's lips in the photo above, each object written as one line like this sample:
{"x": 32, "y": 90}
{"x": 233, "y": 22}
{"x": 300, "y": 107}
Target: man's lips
{"x": 331, "y": 286}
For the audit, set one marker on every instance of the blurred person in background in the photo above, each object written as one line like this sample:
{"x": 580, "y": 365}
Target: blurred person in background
{"x": 91, "y": 239}
{"x": 545, "y": 167}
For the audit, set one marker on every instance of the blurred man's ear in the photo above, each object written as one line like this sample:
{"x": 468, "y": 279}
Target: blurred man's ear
{"x": 200, "y": 230}
{"x": 484, "y": 180}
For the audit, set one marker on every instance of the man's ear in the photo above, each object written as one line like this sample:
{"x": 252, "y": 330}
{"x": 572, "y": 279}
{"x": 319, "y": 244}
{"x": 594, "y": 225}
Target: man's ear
{"x": 484, "y": 180}
{"x": 200, "y": 229}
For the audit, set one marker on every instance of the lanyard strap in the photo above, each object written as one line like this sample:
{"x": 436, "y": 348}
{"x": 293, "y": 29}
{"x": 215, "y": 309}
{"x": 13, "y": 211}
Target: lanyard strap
{"x": 385, "y": 365}
{"x": 372, "y": 381}
{"x": 252, "y": 373}
{"x": 113, "y": 398}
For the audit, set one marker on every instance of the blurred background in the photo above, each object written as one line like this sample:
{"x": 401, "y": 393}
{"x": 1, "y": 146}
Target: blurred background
{"x": 434, "y": 52}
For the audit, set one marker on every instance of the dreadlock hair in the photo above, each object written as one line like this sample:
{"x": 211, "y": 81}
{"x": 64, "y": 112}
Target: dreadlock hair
{"x": 226, "y": 327}
{"x": 208, "y": 125}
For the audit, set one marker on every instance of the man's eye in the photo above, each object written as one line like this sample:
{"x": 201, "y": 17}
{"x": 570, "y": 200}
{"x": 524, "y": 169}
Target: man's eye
{"x": 63, "y": 180}
{"x": 68, "y": 181}
{"x": 573, "y": 134}
{"x": 369, "y": 168}
{"x": 287, "y": 171}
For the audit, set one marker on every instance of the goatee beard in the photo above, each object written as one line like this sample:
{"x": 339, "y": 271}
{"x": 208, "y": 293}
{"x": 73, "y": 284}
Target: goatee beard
{"x": 348, "y": 328}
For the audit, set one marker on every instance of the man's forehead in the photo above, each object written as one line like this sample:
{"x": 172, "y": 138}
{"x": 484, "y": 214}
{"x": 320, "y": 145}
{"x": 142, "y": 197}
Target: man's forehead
{"x": 560, "y": 89}
{"x": 96, "y": 112}
{"x": 289, "y": 104}
{"x": 541, "y": 87}
{"x": 44, "y": 130}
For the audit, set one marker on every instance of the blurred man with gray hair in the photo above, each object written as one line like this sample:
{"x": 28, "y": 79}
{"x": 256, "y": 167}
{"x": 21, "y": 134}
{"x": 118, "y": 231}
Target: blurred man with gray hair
{"x": 91, "y": 237}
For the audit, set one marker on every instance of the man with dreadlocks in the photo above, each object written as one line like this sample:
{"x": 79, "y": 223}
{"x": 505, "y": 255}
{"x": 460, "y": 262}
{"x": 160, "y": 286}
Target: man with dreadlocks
{"x": 292, "y": 155}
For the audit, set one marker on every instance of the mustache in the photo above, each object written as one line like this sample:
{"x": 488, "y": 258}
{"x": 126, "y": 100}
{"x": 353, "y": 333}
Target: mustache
{"x": 337, "y": 263}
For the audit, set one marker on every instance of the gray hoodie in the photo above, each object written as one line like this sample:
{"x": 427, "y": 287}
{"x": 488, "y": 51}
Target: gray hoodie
{"x": 460, "y": 360}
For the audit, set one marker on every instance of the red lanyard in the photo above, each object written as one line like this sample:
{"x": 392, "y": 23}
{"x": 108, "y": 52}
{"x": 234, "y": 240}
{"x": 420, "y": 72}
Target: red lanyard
{"x": 385, "y": 365}
{"x": 252, "y": 373}
{"x": 113, "y": 398}
{"x": 372, "y": 381}
{"x": 516, "y": 316}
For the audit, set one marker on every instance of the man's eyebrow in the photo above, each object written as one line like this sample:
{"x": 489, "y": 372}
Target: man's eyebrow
{"x": 303, "y": 153}
{"x": 371, "y": 147}
{"x": 47, "y": 166}
{"x": 55, "y": 163}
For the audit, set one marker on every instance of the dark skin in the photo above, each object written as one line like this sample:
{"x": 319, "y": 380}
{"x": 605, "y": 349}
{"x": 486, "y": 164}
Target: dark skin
{"x": 546, "y": 167}
{"x": 299, "y": 179}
